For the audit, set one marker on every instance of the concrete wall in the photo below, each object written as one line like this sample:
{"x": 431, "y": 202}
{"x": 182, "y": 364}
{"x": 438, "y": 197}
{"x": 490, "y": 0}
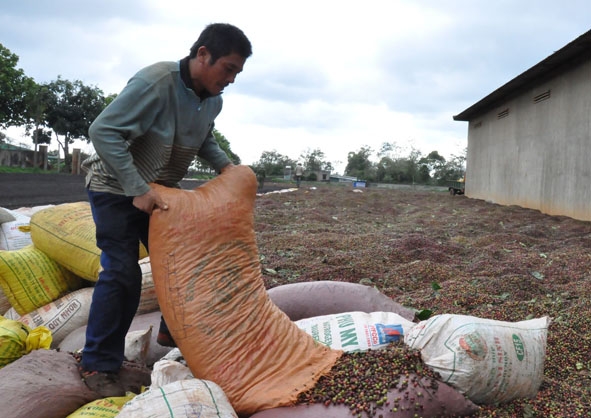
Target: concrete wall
{"x": 539, "y": 155}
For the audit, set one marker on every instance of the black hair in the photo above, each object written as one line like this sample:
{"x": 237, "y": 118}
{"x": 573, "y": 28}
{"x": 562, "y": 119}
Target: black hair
{"x": 222, "y": 39}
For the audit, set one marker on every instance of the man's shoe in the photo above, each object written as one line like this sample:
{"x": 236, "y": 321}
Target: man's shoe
{"x": 106, "y": 384}
{"x": 165, "y": 339}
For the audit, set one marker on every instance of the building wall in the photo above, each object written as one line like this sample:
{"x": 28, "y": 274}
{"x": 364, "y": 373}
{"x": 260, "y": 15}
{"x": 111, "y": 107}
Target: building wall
{"x": 22, "y": 157}
{"x": 539, "y": 155}
{"x": 15, "y": 158}
{"x": 322, "y": 175}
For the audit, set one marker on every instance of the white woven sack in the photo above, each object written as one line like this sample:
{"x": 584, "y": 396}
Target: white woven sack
{"x": 489, "y": 361}
{"x": 181, "y": 399}
{"x": 167, "y": 371}
{"x": 14, "y": 234}
{"x": 11, "y": 313}
{"x": 356, "y": 331}
{"x": 30, "y": 211}
{"x": 62, "y": 316}
{"x": 137, "y": 345}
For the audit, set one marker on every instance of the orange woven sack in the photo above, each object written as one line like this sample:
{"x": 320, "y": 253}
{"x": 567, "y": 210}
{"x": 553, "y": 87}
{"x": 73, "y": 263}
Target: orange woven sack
{"x": 207, "y": 275}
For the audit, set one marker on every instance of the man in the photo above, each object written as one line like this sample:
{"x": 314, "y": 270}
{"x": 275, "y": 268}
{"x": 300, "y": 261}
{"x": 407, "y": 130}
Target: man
{"x": 150, "y": 133}
{"x": 299, "y": 173}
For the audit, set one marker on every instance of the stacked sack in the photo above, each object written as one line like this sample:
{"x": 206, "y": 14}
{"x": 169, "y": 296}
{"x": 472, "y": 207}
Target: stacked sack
{"x": 49, "y": 263}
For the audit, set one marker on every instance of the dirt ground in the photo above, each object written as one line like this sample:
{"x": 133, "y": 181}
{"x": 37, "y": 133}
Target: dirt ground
{"x": 27, "y": 190}
{"x": 447, "y": 254}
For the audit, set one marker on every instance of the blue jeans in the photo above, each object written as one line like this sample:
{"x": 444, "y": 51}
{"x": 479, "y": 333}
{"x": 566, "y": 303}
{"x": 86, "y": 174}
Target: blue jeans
{"x": 120, "y": 227}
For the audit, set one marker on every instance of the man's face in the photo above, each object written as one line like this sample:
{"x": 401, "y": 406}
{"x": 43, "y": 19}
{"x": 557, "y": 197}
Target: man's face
{"x": 214, "y": 78}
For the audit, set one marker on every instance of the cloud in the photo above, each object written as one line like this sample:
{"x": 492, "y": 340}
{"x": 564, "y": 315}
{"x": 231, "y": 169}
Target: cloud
{"x": 327, "y": 75}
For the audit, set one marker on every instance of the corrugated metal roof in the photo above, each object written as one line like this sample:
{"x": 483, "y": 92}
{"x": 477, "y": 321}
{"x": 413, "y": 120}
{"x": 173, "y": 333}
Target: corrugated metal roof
{"x": 9, "y": 147}
{"x": 569, "y": 56}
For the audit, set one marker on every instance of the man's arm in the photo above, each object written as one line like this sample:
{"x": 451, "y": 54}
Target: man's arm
{"x": 126, "y": 118}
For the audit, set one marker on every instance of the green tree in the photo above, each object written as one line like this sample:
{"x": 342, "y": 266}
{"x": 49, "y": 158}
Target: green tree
{"x": 314, "y": 160}
{"x": 225, "y": 145}
{"x": 71, "y": 108}
{"x": 390, "y": 149}
{"x": 14, "y": 85}
{"x": 424, "y": 176}
{"x": 37, "y": 101}
{"x": 359, "y": 165}
{"x": 42, "y": 136}
{"x": 453, "y": 169}
{"x": 394, "y": 167}
{"x": 412, "y": 165}
{"x": 396, "y": 170}
{"x": 273, "y": 163}
{"x": 433, "y": 161}
{"x": 384, "y": 169}
{"x": 200, "y": 165}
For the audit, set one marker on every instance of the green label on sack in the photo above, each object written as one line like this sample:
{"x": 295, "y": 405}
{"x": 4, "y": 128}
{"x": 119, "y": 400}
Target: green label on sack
{"x": 519, "y": 349}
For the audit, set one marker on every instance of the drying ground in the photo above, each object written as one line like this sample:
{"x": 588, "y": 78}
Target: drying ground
{"x": 447, "y": 254}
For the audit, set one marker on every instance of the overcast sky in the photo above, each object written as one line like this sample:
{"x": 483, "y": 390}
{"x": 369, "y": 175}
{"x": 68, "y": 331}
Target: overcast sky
{"x": 324, "y": 74}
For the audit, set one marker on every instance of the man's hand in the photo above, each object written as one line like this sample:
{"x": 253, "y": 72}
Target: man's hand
{"x": 149, "y": 201}
{"x": 226, "y": 167}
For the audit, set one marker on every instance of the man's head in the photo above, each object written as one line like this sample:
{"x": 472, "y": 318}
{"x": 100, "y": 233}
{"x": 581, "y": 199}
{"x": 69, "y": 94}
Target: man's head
{"x": 222, "y": 39}
{"x": 217, "y": 57}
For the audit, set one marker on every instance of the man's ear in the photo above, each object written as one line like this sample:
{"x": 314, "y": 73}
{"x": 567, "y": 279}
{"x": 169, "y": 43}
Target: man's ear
{"x": 203, "y": 55}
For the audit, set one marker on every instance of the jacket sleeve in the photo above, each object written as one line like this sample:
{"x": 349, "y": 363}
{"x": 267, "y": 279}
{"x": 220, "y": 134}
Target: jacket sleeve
{"x": 127, "y": 117}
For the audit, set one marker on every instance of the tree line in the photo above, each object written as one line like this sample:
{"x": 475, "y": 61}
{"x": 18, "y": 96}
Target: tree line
{"x": 391, "y": 165}
{"x": 61, "y": 109}
{"x": 64, "y": 110}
